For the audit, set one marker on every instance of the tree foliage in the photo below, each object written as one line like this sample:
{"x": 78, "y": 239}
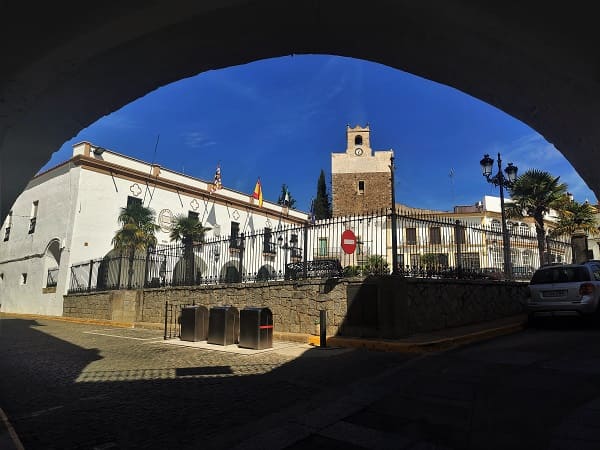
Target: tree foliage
{"x": 574, "y": 216}
{"x": 322, "y": 204}
{"x": 534, "y": 194}
{"x": 136, "y": 234}
{"x": 291, "y": 203}
{"x": 138, "y": 229}
{"x": 188, "y": 231}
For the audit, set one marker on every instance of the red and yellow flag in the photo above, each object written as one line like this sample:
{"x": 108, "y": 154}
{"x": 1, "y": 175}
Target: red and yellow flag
{"x": 257, "y": 194}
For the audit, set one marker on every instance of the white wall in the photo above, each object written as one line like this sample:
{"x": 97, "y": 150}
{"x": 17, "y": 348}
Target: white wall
{"x": 25, "y": 253}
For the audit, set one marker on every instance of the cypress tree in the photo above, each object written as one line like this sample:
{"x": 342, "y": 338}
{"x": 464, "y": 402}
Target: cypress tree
{"x": 322, "y": 205}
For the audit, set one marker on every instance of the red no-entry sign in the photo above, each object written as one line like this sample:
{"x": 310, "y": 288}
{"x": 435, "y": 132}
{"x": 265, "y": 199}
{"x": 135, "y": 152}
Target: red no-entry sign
{"x": 348, "y": 242}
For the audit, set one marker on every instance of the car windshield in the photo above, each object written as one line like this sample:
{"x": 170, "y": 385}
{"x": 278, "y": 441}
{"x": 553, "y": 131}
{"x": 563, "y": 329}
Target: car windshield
{"x": 560, "y": 274}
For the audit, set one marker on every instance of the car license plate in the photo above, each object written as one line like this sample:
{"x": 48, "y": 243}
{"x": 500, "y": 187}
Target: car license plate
{"x": 557, "y": 293}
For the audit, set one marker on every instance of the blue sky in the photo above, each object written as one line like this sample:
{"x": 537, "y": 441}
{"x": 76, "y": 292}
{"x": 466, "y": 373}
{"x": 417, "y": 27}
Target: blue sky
{"x": 280, "y": 119}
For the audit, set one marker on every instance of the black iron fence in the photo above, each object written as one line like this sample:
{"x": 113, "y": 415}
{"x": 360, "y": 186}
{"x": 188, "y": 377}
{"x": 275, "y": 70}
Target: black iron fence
{"x": 173, "y": 319}
{"x": 428, "y": 245}
{"x": 52, "y": 277}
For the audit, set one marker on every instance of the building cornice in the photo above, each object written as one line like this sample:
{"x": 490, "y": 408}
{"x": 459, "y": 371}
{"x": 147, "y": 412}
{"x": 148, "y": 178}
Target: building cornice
{"x": 115, "y": 170}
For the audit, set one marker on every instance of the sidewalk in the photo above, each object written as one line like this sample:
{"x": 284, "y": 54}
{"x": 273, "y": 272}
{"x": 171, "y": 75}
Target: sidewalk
{"x": 418, "y": 343}
{"x": 432, "y": 341}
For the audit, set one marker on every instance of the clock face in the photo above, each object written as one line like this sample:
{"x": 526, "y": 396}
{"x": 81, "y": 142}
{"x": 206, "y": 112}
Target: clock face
{"x": 358, "y": 151}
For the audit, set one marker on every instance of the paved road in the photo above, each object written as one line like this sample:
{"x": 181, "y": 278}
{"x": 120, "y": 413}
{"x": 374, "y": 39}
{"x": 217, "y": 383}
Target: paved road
{"x": 73, "y": 386}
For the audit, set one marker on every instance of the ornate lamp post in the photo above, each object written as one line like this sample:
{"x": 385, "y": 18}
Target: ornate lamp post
{"x": 394, "y": 222}
{"x": 284, "y": 245}
{"x": 502, "y": 181}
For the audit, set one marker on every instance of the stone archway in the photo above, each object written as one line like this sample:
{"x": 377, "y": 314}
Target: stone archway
{"x": 73, "y": 68}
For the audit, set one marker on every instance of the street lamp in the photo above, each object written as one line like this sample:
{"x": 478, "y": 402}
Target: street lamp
{"x": 394, "y": 231}
{"x": 502, "y": 181}
{"x": 283, "y": 245}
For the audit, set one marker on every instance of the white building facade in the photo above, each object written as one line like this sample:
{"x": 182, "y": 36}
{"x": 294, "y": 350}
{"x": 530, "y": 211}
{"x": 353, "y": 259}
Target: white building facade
{"x": 68, "y": 215}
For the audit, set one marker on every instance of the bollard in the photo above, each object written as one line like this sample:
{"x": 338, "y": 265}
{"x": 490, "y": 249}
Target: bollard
{"x": 323, "y": 328}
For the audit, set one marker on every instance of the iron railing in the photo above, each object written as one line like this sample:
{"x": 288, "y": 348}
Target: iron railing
{"x": 52, "y": 278}
{"x": 172, "y": 328}
{"x": 428, "y": 245}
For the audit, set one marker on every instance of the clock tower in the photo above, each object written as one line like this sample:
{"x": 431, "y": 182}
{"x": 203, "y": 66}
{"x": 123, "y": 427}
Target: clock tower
{"x": 361, "y": 181}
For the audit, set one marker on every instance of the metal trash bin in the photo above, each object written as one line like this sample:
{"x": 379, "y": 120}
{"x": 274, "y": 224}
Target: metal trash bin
{"x": 223, "y": 325}
{"x": 256, "y": 328}
{"x": 194, "y": 323}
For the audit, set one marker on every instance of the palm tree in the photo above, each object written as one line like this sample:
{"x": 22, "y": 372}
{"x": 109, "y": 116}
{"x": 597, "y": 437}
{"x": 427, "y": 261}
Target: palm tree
{"x": 533, "y": 194}
{"x": 137, "y": 232}
{"x": 189, "y": 231}
{"x": 574, "y": 216}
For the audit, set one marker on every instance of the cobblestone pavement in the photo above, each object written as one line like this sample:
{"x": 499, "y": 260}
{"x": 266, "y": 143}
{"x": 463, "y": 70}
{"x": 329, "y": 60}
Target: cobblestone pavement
{"x": 72, "y": 386}
{"x": 81, "y": 386}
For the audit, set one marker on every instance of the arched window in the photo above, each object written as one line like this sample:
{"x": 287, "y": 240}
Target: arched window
{"x": 358, "y": 140}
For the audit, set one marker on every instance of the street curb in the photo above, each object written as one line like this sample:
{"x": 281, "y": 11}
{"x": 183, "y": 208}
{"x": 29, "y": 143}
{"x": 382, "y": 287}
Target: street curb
{"x": 12, "y": 434}
{"x": 419, "y": 347}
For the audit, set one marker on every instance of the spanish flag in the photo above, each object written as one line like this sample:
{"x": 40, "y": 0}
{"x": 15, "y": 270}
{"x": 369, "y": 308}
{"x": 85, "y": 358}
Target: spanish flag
{"x": 257, "y": 194}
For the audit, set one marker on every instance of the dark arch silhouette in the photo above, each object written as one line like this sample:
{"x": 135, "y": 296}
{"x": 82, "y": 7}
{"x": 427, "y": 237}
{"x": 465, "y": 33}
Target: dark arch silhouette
{"x": 535, "y": 61}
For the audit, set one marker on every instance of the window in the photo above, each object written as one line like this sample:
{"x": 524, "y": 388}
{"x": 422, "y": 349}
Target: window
{"x": 268, "y": 245}
{"x": 496, "y": 225}
{"x": 33, "y": 219}
{"x": 358, "y": 140}
{"x": 527, "y": 258}
{"x": 411, "y": 236}
{"x": 496, "y": 257}
{"x": 234, "y": 239}
{"x": 400, "y": 260}
{"x": 51, "y": 279}
{"x": 23, "y": 278}
{"x": 361, "y": 187}
{"x": 460, "y": 234}
{"x": 523, "y": 228}
{"x": 133, "y": 200}
{"x": 8, "y": 226}
{"x": 596, "y": 271}
{"x": 295, "y": 251}
{"x": 193, "y": 215}
{"x": 470, "y": 260}
{"x": 463, "y": 235}
{"x": 415, "y": 260}
{"x": 435, "y": 235}
{"x": 322, "y": 250}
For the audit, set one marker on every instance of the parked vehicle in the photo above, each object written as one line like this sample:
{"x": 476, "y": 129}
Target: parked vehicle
{"x": 522, "y": 272}
{"x": 565, "y": 290}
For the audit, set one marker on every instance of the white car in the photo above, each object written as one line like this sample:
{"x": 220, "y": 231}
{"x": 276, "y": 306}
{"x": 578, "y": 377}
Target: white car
{"x": 565, "y": 290}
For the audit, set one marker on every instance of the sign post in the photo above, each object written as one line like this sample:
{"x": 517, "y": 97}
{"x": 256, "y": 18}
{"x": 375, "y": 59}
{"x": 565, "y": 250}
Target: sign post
{"x": 348, "y": 242}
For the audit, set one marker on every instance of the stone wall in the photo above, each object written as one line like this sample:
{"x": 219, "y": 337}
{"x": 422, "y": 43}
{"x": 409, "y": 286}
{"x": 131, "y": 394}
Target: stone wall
{"x": 347, "y": 200}
{"x": 373, "y": 307}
